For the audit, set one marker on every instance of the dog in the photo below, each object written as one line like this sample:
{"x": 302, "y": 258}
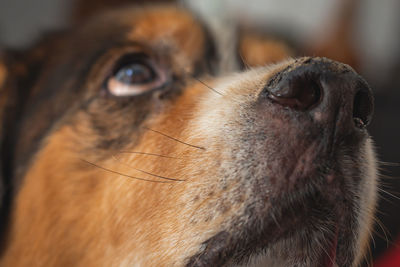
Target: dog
{"x": 125, "y": 143}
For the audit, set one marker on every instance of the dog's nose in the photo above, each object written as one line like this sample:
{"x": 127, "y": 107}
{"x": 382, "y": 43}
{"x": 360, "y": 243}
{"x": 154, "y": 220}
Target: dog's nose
{"x": 324, "y": 86}
{"x": 299, "y": 90}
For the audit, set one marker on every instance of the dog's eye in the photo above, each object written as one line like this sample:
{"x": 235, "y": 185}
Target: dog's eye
{"x": 135, "y": 77}
{"x": 135, "y": 73}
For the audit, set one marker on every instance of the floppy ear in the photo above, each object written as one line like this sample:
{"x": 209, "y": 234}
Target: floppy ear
{"x": 3, "y": 74}
{"x": 87, "y": 8}
{"x": 18, "y": 71}
{"x": 7, "y": 104}
{"x": 4, "y": 97}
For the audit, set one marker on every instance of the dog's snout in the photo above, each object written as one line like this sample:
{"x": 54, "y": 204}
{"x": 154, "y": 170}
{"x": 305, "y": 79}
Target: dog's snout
{"x": 323, "y": 86}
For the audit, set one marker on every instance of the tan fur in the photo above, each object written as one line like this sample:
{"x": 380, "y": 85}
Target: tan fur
{"x": 131, "y": 216}
{"x": 122, "y": 203}
{"x": 369, "y": 197}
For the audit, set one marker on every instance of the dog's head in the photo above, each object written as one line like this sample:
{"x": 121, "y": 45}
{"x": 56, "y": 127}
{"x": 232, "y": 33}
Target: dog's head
{"x": 125, "y": 149}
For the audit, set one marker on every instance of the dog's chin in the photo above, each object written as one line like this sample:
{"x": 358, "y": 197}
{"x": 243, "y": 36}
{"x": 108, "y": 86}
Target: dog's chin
{"x": 321, "y": 256}
{"x": 230, "y": 249}
{"x": 307, "y": 230}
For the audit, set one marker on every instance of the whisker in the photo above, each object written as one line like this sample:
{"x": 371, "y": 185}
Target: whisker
{"x": 388, "y": 177}
{"x": 371, "y": 235}
{"x": 206, "y": 85}
{"x": 125, "y": 175}
{"x": 175, "y": 139}
{"x": 245, "y": 64}
{"x": 275, "y": 220}
{"x": 385, "y": 231}
{"x": 392, "y": 164}
{"x": 388, "y": 193}
{"x": 370, "y": 259}
{"x": 155, "y": 175}
{"x": 147, "y": 154}
{"x": 325, "y": 251}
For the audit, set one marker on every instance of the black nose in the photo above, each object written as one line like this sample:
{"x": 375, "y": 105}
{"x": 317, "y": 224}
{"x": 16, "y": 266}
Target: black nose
{"x": 322, "y": 85}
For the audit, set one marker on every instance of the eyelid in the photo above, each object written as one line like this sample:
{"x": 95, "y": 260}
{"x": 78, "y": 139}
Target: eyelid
{"x": 120, "y": 89}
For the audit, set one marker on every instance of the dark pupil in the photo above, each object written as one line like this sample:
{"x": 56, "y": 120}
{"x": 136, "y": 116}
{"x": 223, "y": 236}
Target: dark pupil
{"x": 134, "y": 74}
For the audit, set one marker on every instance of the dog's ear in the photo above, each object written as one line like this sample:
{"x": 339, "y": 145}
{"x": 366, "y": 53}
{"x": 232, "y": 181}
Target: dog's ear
{"x": 84, "y": 9}
{"x": 19, "y": 71}
{"x": 7, "y": 104}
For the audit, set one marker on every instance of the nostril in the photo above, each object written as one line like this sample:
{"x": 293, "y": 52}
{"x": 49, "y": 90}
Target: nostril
{"x": 299, "y": 92}
{"x": 363, "y": 107}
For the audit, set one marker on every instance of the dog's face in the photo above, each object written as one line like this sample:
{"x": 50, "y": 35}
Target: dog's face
{"x": 129, "y": 152}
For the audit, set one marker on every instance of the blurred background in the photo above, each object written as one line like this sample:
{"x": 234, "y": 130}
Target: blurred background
{"x": 362, "y": 33}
